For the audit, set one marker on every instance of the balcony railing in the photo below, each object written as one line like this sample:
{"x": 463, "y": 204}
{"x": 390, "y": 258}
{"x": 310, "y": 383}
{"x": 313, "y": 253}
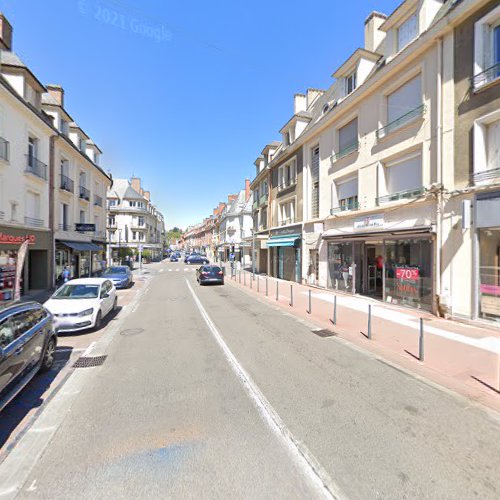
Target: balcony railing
{"x": 255, "y": 204}
{"x": 285, "y": 222}
{"x": 4, "y": 149}
{"x": 345, "y": 208}
{"x": 262, "y": 227}
{"x": 418, "y": 112}
{"x": 84, "y": 193}
{"x": 36, "y": 167}
{"x": 64, "y": 227}
{"x": 100, "y": 234}
{"x": 33, "y": 221}
{"x": 97, "y": 200}
{"x": 487, "y": 76}
{"x": 287, "y": 183}
{"x": 2, "y": 215}
{"x": 111, "y": 224}
{"x": 401, "y": 195}
{"x": 263, "y": 200}
{"x": 486, "y": 175}
{"x": 67, "y": 184}
{"x": 347, "y": 150}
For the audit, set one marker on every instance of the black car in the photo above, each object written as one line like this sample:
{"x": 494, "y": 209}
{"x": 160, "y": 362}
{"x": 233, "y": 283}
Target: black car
{"x": 174, "y": 258}
{"x": 28, "y": 342}
{"x": 196, "y": 259}
{"x": 210, "y": 274}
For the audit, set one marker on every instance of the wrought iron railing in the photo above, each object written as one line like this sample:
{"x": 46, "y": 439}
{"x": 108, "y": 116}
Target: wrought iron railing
{"x": 485, "y": 77}
{"x": 255, "y": 204}
{"x": 84, "y": 193}
{"x": 2, "y": 215}
{"x": 409, "y": 193}
{"x": 64, "y": 227}
{"x": 285, "y": 222}
{"x": 263, "y": 200}
{"x": 36, "y": 167}
{"x": 345, "y": 208}
{"x": 418, "y": 112}
{"x": 486, "y": 175}
{"x": 33, "y": 221}
{"x": 67, "y": 184}
{"x": 4, "y": 149}
{"x": 111, "y": 223}
{"x": 97, "y": 200}
{"x": 287, "y": 183}
{"x": 347, "y": 150}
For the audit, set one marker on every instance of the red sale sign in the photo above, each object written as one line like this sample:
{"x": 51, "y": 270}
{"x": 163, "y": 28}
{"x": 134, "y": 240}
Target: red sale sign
{"x": 407, "y": 273}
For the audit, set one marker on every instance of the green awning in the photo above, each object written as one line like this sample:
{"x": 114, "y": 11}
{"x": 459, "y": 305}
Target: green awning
{"x": 283, "y": 241}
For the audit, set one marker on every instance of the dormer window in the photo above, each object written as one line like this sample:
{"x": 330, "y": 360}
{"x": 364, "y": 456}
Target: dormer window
{"x": 82, "y": 144}
{"x": 288, "y": 139}
{"x": 350, "y": 83}
{"x": 407, "y": 32}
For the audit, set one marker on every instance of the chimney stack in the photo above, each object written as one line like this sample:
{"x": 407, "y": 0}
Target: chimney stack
{"x": 147, "y": 195}
{"x": 136, "y": 184}
{"x": 247, "y": 189}
{"x": 5, "y": 33}
{"x": 374, "y": 38}
{"x": 57, "y": 92}
{"x": 299, "y": 103}
{"x": 312, "y": 95}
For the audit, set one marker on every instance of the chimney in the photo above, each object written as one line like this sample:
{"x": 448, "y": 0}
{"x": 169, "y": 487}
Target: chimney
{"x": 5, "y": 33}
{"x": 57, "y": 92}
{"x": 231, "y": 198}
{"x": 247, "y": 189}
{"x": 299, "y": 103}
{"x": 374, "y": 37}
{"x": 147, "y": 195}
{"x": 136, "y": 184}
{"x": 312, "y": 95}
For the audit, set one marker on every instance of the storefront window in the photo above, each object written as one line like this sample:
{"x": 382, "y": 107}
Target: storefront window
{"x": 62, "y": 260}
{"x": 408, "y": 272}
{"x": 489, "y": 274}
{"x": 8, "y": 259}
{"x": 340, "y": 268}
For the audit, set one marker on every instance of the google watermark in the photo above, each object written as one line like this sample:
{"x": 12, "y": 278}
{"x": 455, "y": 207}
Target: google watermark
{"x": 116, "y": 15}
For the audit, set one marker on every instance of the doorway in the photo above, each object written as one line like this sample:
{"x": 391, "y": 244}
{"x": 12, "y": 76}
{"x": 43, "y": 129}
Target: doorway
{"x": 373, "y": 270}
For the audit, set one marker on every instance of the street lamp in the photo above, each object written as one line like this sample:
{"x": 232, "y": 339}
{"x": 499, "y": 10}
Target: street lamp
{"x": 253, "y": 253}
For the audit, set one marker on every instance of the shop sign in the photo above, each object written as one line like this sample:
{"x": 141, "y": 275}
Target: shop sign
{"x": 407, "y": 284}
{"x": 9, "y": 239}
{"x": 287, "y": 231}
{"x": 408, "y": 273}
{"x": 83, "y": 228}
{"x": 369, "y": 222}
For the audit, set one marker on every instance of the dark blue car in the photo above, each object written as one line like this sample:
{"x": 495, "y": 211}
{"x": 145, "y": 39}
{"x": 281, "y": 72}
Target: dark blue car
{"x": 196, "y": 259}
{"x": 121, "y": 276}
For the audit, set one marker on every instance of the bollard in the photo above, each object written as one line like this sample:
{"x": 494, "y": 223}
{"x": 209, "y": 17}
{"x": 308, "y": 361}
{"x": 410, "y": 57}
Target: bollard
{"x": 277, "y": 294}
{"x": 258, "y": 281}
{"x": 310, "y": 305}
{"x": 291, "y": 295}
{"x": 334, "y": 320}
{"x": 369, "y": 333}
{"x": 244, "y": 278}
{"x": 421, "y": 341}
{"x": 251, "y": 279}
{"x": 266, "y": 287}
{"x": 240, "y": 277}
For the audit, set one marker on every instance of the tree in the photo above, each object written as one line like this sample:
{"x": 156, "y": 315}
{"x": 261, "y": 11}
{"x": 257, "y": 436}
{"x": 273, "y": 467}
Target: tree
{"x": 174, "y": 235}
{"x": 124, "y": 252}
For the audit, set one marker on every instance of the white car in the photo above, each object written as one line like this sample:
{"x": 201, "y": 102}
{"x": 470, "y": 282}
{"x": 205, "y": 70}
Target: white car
{"x": 82, "y": 303}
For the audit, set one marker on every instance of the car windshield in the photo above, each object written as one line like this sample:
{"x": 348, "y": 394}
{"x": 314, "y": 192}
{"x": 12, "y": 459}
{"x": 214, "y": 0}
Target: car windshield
{"x": 79, "y": 291}
{"x": 211, "y": 269}
{"x": 115, "y": 270}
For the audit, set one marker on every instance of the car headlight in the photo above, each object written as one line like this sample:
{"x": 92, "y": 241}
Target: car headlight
{"x": 87, "y": 312}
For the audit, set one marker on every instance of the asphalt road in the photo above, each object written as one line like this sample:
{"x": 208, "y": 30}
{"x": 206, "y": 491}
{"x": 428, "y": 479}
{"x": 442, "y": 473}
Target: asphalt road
{"x": 218, "y": 395}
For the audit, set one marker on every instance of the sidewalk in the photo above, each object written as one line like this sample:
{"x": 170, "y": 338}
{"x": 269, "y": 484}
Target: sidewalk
{"x": 463, "y": 358}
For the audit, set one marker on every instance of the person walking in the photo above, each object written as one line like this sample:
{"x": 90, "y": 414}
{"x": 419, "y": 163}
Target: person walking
{"x": 66, "y": 274}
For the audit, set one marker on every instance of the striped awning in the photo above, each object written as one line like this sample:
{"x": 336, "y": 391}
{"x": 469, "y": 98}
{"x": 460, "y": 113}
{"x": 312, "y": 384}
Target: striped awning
{"x": 288, "y": 240}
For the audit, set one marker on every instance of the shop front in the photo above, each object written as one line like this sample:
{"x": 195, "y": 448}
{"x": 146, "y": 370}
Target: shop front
{"x": 37, "y": 263}
{"x": 285, "y": 246}
{"x": 83, "y": 259}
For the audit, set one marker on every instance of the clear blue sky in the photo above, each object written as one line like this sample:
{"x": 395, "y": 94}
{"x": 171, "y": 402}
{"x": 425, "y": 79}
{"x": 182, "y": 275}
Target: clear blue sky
{"x": 185, "y": 94}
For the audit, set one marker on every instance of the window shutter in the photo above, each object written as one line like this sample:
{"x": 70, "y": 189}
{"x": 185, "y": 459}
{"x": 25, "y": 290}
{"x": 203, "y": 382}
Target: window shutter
{"x": 347, "y": 189}
{"x": 348, "y": 134}
{"x": 405, "y": 175}
{"x": 405, "y": 99}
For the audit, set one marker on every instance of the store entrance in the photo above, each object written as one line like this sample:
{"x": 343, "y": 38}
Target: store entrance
{"x": 373, "y": 269}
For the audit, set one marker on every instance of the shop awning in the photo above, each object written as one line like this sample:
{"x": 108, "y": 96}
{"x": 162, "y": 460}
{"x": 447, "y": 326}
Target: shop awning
{"x": 336, "y": 234}
{"x": 82, "y": 247}
{"x": 283, "y": 241}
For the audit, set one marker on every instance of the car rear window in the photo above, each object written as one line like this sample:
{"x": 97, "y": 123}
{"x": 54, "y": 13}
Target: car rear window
{"x": 211, "y": 269}
{"x": 116, "y": 270}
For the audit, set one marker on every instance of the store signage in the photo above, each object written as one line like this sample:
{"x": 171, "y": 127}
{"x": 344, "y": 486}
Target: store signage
{"x": 83, "y": 228}
{"x": 9, "y": 239}
{"x": 408, "y": 273}
{"x": 369, "y": 222}
{"x": 287, "y": 231}
{"x": 407, "y": 284}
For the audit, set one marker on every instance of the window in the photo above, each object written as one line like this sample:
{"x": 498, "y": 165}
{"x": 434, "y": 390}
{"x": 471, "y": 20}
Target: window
{"x": 140, "y": 221}
{"x": 82, "y": 144}
{"x": 134, "y": 235}
{"x": 315, "y": 183}
{"x": 132, "y": 203}
{"x": 348, "y": 138}
{"x": 64, "y": 167}
{"x": 350, "y": 83}
{"x": 32, "y": 150}
{"x": 407, "y": 32}
{"x": 82, "y": 216}
{"x": 404, "y": 175}
{"x": 487, "y": 49}
{"x": 287, "y": 175}
{"x": 96, "y": 223}
{"x": 112, "y": 203}
{"x": 64, "y": 217}
{"x": 111, "y": 220}
{"x": 405, "y": 99}
{"x": 287, "y": 213}
{"x": 33, "y": 208}
{"x": 83, "y": 179}
{"x": 347, "y": 194}
{"x": 493, "y": 146}
{"x": 7, "y": 332}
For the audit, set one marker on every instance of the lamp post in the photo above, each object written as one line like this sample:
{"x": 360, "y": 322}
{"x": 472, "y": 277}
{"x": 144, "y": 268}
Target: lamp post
{"x": 119, "y": 243}
{"x": 253, "y": 253}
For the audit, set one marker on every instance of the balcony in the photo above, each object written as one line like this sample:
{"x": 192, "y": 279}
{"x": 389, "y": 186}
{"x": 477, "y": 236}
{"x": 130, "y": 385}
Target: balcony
{"x": 285, "y": 222}
{"x": 287, "y": 183}
{"x": 97, "y": 200}
{"x": 67, "y": 184}
{"x": 33, "y": 221}
{"x": 346, "y": 151}
{"x": 345, "y": 208}
{"x": 4, "y": 149}
{"x": 263, "y": 200}
{"x": 64, "y": 227}
{"x": 262, "y": 227}
{"x": 412, "y": 115}
{"x": 36, "y": 167}
{"x": 2, "y": 215}
{"x": 138, "y": 227}
{"x": 401, "y": 195}
{"x": 100, "y": 234}
{"x": 84, "y": 193}
{"x": 486, "y": 175}
{"x": 255, "y": 205}
{"x": 112, "y": 224}
{"x": 489, "y": 75}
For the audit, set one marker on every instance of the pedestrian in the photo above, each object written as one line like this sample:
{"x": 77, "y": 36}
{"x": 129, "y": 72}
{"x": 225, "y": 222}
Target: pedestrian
{"x": 66, "y": 274}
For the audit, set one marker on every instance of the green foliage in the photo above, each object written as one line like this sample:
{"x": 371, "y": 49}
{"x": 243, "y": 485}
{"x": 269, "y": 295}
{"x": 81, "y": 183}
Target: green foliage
{"x": 124, "y": 252}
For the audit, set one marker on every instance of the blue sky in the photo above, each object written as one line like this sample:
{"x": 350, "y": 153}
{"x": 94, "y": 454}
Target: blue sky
{"x": 185, "y": 94}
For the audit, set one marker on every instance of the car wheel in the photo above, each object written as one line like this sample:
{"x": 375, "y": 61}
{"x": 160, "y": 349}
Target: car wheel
{"x": 98, "y": 321}
{"x": 48, "y": 355}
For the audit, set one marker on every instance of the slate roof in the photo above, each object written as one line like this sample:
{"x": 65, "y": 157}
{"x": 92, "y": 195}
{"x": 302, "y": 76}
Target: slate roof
{"x": 122, "y": 189}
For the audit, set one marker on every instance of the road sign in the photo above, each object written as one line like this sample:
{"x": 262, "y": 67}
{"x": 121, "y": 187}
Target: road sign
{"x": 140, "y": 248}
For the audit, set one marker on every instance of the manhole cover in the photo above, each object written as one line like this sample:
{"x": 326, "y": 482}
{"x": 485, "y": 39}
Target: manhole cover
{"x": 131, "y": 331}
{"x": 89, "y": 362}
{"x": 324, "y": 333}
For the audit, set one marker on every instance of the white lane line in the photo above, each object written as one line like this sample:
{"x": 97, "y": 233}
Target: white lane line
{"x": 177, "y": 270}
{"x": 186, "y": 268}
{"x": 161, "y": 270}
{"x": 170, "y": 270}
{"x": 322, "y": 483}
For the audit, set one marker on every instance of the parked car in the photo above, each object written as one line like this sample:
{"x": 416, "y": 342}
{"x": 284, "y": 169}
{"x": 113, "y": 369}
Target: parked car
{"x": 174, "y": 258}
{"x": 210, "y": 274}
{"x": 196, "y": 259}
{"x": 28, "y": 342}
{"x": 121, "y": 276}
{"x": 82, "y": 304}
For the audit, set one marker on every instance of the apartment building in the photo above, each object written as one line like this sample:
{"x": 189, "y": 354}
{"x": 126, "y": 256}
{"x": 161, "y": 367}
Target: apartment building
{"x": 133, "y": 221}
{"x": 79, "y": 191}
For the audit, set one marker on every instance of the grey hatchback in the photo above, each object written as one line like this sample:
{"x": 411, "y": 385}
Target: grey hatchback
{"x": 27, "y": 344}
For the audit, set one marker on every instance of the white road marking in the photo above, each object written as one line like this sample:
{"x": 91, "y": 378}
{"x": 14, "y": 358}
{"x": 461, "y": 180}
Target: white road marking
{"x": 32, "y": 487}
{"x": 319, "y": 478}
{"x": 177, "y": 270}
{"x": 161, "y": 270}
{"x": 170, "y": 270}
{"x": 186, "y": 268}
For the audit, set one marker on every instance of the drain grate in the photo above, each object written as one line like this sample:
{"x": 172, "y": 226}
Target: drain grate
{"x": 324, "y": 333}
{"x": 89, "y": 362}
{"x": 131, "y": 331}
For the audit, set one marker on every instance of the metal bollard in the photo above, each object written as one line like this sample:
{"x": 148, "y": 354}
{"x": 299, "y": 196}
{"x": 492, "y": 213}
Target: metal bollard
{"x": 421, "y": 341}
{"x": 277, "y": 294}
{"x": 251, "y": 279}
{"x": 266, "y": 287}
{"x": 369, "y": 333}
{"x": 244, "y": 278}
{"x": 334, "y": 319}
{"x": 258, "y": 281}
{"x": 310, "y": 305}
{"x": 291, "y": 295}
{"x": 240, "y": 277}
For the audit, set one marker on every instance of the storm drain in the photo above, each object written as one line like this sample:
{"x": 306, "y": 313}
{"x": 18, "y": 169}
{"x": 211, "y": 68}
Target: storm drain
{"x": 324, "y": 333}
{"x": 89, "y": 361}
